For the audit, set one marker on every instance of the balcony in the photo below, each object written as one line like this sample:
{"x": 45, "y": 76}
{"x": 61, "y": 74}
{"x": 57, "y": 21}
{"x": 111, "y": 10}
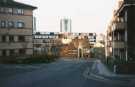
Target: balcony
{"x": 119, "y": 26}
{"x": 109, "y": 44}
{"x": 109, "y": 32}
{"x": 118, "y": 44}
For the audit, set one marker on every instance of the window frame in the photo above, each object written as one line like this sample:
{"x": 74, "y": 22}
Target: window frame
{"x": 4, "y": 52}
{"x": 11, "y": 52}
{"x": 10, "y": 10}
{"x": 20, "y": 11}
{"x": 12, "y": 25}
{"x": 2, "y": 10}
{"x": 20, "y": 24}
{"x": 22, "y": 51}
{"x": 21, "y": 38}
{"x": 3, "y": 24}
{"x": 3, "y": 38}
{"x": 11, "y": 38}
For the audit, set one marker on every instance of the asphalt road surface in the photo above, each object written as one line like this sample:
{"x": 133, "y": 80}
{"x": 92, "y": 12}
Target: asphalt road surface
{"x": 62, "y": 73}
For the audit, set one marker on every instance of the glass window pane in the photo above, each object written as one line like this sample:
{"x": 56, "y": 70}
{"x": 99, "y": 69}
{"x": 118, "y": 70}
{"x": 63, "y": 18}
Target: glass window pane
{"x": 3, "y": 24}
{"x": 11, "y": 38}
{"x": 10, "y": 10}
{"x": 2, "y": 10}
{"x": 20, "y": 24}
{"x": 10, "y": 24}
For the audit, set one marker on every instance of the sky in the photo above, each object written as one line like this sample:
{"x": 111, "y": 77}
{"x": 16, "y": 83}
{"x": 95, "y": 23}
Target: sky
{"x": 86, "y": 15}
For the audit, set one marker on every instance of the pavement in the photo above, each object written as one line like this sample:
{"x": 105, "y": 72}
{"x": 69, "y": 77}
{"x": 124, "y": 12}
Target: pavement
{"x": 62, "y": 73}
{"x": 102, "y": 73}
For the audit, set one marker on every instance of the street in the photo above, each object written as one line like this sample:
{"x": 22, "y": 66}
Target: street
{"x": 62, "y": 73}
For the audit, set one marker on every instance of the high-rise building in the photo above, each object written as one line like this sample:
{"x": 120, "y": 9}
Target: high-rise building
{"x": 65, "y": 26}
{"x": 16, "y": 27}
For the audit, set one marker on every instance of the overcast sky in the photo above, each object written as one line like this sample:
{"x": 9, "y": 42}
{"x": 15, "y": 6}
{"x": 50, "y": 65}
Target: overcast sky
{"x": 86, "y": 15}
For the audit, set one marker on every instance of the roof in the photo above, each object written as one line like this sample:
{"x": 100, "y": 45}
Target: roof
{"x": 123, "y": 6}
{"x": 120, "y": 9}
{"x": 11, "y": 3}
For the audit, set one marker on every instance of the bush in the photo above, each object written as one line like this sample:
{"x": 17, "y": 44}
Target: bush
{"x": 30, "y": 59}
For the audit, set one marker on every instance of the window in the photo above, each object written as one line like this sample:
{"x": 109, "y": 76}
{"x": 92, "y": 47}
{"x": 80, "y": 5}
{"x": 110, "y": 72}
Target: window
{"x": 10, "y": 10}
{"x": 20, "y": 24}
{"x": 21, "y": 38}
{"x": 6, "y": 10}
{"x": 3, "y": 24}
{"x": 12, "y": 52}
{"x": 10, "y": 24}
{"x": 19, "y": 11}
{"x": 3, "y": 38}
{"x": 44, "y": 41}
{"x": 3, "y": 52}
{"x": 11, "y": 38}
{"x": 22, "y": 51}
{"x": 2, "y": 10}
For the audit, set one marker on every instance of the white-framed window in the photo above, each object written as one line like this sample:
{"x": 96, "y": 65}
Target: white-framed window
{"x": 16, "y": 11}
{"x": 10, "y": 10}
{"x": 6, "y": 10}
{"x": 20, "y": 24}
{"x": 3, "y": 24}
{"x": 2, "y": 10}
{"x": 10, "y": 24}
{"x": 20, "y": 11}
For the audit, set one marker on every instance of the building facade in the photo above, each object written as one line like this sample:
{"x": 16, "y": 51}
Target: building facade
{"x": 47, "y": 43}
{"x": 16, "y": 27}
{"x": 79, "y": 45}
{"x": 54, "y": 43}
{"x": 116, "y": 41}
{"x": 121, "y": 32}
{"x": 92, "y": 39}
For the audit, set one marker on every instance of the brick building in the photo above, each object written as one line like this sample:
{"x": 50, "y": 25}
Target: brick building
{"x": 16, "y": 27}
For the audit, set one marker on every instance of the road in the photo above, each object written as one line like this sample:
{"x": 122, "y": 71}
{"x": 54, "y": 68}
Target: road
{"x": 62, "y": 73}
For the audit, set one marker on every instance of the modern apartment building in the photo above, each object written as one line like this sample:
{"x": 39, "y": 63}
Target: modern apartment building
{"x": 116, "y": 41}
{"x": 16, "y": 27}
{"x": 121, "y": 32}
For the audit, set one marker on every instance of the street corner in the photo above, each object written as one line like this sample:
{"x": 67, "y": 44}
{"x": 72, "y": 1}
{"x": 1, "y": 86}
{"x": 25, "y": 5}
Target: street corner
{"x": 89, "y": 75}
